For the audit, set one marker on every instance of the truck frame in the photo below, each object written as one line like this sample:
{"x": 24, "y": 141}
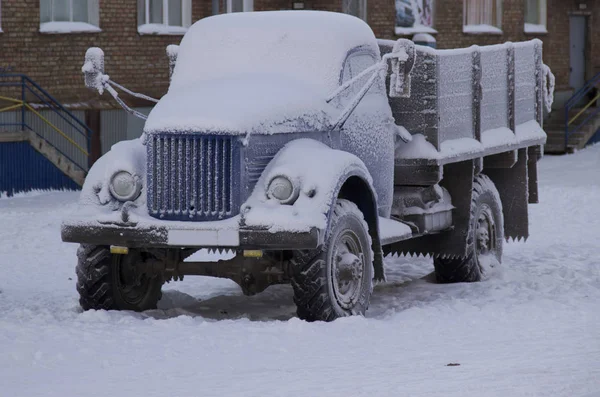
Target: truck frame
{"x": 405, "y": 150}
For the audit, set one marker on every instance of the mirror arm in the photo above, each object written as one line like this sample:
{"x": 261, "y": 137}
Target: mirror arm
{"x": 135, "y": 94}
{"x": 129, "y": 110}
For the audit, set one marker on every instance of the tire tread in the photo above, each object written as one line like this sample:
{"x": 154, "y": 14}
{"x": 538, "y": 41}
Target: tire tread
{"x": 310, "y": 276}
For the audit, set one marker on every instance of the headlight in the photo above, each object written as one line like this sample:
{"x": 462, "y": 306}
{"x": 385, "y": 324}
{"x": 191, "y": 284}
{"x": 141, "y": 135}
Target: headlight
{"x": 283, "y": 190}
{"x": 124, "y": 186}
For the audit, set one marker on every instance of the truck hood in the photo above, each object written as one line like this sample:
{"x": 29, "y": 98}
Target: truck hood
{"x": 241, "y": 105}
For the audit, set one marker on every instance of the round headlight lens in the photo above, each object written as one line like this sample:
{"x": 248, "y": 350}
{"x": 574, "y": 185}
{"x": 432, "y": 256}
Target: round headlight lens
{"x": 124, "y": 186}
{"x": 282, "y": 189}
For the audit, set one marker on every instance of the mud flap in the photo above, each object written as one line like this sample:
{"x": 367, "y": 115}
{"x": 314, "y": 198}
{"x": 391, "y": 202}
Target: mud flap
{"x": 458, "y": 180}
{"x": 513, "y": 185}
{"x": 534, "y": 153}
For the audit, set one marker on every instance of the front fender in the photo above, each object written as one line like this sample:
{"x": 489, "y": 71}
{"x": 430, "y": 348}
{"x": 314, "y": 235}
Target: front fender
{"x": 318, "y": 171}
{"x": 127, "y": 156}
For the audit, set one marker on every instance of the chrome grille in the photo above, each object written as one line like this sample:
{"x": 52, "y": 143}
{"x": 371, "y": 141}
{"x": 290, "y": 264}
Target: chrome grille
{"x": 192, "y": 177}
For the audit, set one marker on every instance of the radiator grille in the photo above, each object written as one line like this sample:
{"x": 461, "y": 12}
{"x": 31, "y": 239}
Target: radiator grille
{"x": 192, "y": 177}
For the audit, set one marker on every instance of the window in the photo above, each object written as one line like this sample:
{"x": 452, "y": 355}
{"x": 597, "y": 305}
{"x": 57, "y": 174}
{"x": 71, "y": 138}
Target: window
{"x": 164, "y": 16}
{"x": 0, "y": 16}
{"x": 482, "y": 16}
{"x": 240, "y": 5}
{"x": 69, "y": 16}
{"x": 354, "y": 65}
{"x": 358, "y": 8}
{"x": 535, "y": 16}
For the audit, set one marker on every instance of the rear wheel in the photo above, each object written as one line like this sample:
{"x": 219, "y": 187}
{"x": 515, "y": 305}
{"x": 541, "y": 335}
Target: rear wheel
{"x": 484, "y": 240}
{"x": 336, "y": 280}
{"x": 115, "y": 282}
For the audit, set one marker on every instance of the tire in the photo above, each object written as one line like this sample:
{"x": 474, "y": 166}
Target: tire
{"x": 105, "y": 281}
{"x": 337, "y": 279}
{"x": 484, "y": 240}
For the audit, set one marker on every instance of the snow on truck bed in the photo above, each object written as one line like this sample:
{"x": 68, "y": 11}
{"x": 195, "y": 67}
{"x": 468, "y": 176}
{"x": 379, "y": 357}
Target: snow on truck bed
{"x": 451, "y": 120}
{"x": 268, "y": 56}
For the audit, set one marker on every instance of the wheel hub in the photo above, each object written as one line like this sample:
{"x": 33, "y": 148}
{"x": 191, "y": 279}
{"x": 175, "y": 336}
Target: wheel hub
{"x": 347, "y": 269}
{"x": 484, "y": 233}
{"x": 131, "y": 283}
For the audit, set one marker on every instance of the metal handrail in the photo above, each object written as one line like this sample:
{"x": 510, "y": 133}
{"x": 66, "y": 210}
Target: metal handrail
{"x": 55, "y": 148}
{"x": 83, "y": 133}
{"x": 583, "y": 90}
{"x": 584, "y": 109}
{"x": 55, "y": 103}
{"x": 572, "y": 102}
{"x": 21, "y": 104}
{"x": 29, "y": 86}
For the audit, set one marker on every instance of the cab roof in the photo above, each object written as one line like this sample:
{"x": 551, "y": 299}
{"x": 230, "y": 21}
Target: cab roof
{"x": 308, "y": 46}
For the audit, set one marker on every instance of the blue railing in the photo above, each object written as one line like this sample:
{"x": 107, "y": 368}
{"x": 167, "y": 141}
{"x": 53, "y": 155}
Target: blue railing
{"x": 574, "y": 102}
{"x": 32, "y": 98}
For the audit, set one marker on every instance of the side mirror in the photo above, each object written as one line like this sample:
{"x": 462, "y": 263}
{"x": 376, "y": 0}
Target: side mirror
{"x": 93, "y": 69}
{"x": 403, "y": 57}
{"x": 548, "y": 83}
{"x": 172, "y": 52}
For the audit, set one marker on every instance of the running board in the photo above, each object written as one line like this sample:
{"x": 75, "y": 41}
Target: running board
{"x": 392, "y": 231}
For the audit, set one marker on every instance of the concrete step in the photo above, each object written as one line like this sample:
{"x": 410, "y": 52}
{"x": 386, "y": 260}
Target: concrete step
{"x": 67, "y": 167}
{"x": 558, "y": 149}
{"x": 13, "y": 136}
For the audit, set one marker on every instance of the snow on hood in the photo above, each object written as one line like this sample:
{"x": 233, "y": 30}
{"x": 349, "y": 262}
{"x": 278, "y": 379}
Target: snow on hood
{"x": 242, "y": 104}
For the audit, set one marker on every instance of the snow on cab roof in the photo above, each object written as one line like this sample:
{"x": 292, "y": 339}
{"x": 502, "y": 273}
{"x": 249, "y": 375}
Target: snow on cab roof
{"x": 308, "y": 45}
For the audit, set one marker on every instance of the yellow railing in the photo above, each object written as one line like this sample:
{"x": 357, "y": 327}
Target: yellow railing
{"x": 20, "y": 104}
{"x": 572, "y": 120}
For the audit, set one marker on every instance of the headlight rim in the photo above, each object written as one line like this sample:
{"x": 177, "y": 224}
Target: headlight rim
{"x": 293, "y": 196}
{"x": 135, "y": 193}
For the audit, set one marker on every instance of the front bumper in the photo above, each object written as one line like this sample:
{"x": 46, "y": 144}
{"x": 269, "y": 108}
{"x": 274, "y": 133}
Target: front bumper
{"x": 205, "y": 235}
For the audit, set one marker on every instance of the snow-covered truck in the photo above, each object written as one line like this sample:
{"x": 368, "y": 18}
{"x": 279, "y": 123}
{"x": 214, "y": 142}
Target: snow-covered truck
{"x": 309, "y": 149}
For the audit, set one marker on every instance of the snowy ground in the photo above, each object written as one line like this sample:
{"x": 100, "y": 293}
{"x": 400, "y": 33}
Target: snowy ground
{"x": 532, "y": 329}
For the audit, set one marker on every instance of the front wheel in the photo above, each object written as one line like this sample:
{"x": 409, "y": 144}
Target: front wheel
{"x": 336, "y": 280}
{"x": 115, "y": 282}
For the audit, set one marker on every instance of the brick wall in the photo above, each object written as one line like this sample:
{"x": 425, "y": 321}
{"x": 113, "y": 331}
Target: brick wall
{"x": 449, "y": 22}
{"x": 54, "y": 60}
{"x": 381, "y": 16}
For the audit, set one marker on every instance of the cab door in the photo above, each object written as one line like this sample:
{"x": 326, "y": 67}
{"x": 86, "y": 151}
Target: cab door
{"x": 369, "y": 131}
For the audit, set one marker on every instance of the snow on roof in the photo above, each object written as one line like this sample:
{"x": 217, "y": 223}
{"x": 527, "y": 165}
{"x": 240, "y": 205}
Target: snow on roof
{"x": 249, "y": 71}
{"x": 310, "y": 45}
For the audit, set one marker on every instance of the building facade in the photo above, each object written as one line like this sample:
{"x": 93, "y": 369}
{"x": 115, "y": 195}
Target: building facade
{"x": 47, "y": 39}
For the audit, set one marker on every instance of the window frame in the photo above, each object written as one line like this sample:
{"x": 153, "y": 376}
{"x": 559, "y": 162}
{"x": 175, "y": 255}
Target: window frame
{"x": 247, "y": 5}
{"x": 483, "y": 28}
{"x": 377, "y": 88}
{"x": 362, "y": 8}
{"x": 542, "y": 25}
{"x": 92, "y": 25}
{"x": 147, "y": 27}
